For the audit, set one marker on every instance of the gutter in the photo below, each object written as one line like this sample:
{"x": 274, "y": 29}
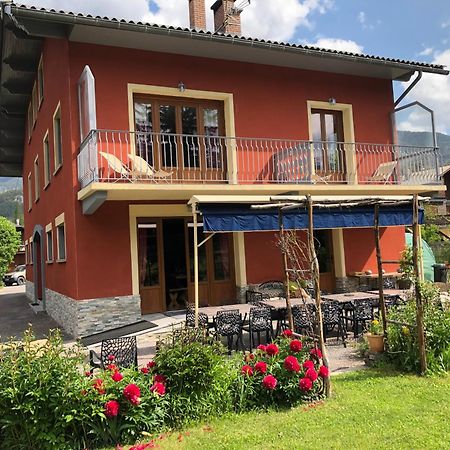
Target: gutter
{"x": 73, "y": 19}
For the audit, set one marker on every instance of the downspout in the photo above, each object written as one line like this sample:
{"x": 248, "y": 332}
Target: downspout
{"x": 409, "y": 88}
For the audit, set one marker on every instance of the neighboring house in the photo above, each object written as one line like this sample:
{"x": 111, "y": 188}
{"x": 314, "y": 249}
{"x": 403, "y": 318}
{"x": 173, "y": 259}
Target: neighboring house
{"x": 115, "y": 125}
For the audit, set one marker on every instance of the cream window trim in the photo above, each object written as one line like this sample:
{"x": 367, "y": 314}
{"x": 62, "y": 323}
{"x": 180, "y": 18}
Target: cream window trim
{"x": 40, "y": 80}
{"x": 29, "y": 192}
{"x": 46, "y": 159}
{"x": 26, "y": 252}
{"x": 349, "y": 132}
{"x": 37, "y": 187}
{"x": 49, "y": 229}
{"x": 59, "y": 224}
{"x": 228, "y": 106}
{"x": 58, "y": 164}
{"x": 31, "y": 250}
{"x": 59, "y": 219}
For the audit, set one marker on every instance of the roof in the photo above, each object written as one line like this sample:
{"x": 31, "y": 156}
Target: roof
{"x": 23, "y": 28}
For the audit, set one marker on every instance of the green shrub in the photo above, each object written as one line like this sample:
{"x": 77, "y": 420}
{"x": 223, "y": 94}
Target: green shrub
{"x": 9, "y": 244}
{"x": 402, "y": 340}
{"x": 199, "y": 375}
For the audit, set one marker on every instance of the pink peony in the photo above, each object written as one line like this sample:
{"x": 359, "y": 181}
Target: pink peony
{"x": 158, "y": 388}
{"x": 261, "y": 367}
{"x": 269, "y": 382}
{"x": 305, "y": 384}
{"x": 111, "y": 408}
{"x": 272, "y": 349}
{"x": 295, "y": 346}
{"x": 117, "y": 376}
{"x": 308, "y": 364}
{"x": 159, "y": 379}
{"x": 324, "y": 372}
{"x": 145, "y": 370}
{"x": 151, "y": 364}
{"x": 287, "y": 333}
{"x": 291, "y": 364}
{"x": 262, "y": 347}
{"x": 132, "y": 393}
{"x": 247, "y": 370}
{"x": 311, "y": 374}
{"x": 316, "y": 352}
{"x": 111, "y": 358}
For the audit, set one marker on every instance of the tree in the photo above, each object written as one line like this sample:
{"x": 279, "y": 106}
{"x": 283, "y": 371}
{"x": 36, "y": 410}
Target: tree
{"x": 9, "y": 244}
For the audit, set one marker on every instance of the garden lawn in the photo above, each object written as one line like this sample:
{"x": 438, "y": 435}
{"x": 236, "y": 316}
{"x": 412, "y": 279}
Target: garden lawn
{"x": 370, "y": 409}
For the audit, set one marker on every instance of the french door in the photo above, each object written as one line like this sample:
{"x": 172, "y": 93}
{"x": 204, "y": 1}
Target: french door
{"x": 328, "y": 144}
{"x": 182, "y": 136}
{"x": 324, "y": 249}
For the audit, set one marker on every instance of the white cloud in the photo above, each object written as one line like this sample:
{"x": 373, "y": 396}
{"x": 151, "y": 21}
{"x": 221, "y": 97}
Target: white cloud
{"x": 362, "y": 17}
{"x": 338, "y": 44}
{"x": 426, "y": 51}
{"x": 268, "y": 19}
{"x": 445, "y": 24}
{"x": 434, "y": 92}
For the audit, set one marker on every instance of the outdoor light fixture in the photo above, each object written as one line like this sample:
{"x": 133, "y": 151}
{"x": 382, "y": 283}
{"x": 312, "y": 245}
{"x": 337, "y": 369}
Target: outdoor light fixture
{"x": 181, "y": 86}
{"x": 332, "y": 101}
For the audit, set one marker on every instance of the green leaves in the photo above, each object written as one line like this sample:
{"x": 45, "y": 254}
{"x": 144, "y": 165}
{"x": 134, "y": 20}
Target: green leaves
{"x": 9, "y": 244}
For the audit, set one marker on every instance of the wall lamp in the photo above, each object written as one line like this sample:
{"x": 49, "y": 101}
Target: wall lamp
{"x": 332, "y": 101}
{"x": 181, "y": 86}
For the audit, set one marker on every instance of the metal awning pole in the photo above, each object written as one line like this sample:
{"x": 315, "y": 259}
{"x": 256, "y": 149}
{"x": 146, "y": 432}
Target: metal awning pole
{"x": 194, "y": 214}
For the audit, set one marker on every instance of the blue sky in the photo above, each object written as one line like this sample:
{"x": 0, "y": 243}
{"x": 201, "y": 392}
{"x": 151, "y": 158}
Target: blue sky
{"x": 404, "y": 29}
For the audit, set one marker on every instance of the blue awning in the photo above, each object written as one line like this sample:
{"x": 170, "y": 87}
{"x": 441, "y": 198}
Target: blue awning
{"x": 241, "y": 217}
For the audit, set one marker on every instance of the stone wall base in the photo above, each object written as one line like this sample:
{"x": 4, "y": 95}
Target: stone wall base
{"x": 85, "y": 317}
{"x": 29, "y": 291}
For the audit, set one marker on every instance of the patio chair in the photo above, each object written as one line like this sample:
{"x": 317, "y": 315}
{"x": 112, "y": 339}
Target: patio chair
{"x": 229, "y": 323}
{"x": 360, "y": 314}
{"x": 259, "y": 322}
{"x": 383, "y": 172}
{"x": 203, "y": 320}
{"x": 116, "y": 165}
{"x": 304, "y": 317}
{"x": 123, "y": 349}
{"x": 142, "y": 169}
{"x": 332, "y": 316}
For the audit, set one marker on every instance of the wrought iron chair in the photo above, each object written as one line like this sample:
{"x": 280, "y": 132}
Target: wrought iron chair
{"x": 229, "y": 323}
{"x": 304, "y": 317}
{"x": 361, "y": 313}
{"x": 332, "y": 316}
{"x": 123, "y": 349}
{"x": 203, "y": 321}
{"x": 259, "y": 322}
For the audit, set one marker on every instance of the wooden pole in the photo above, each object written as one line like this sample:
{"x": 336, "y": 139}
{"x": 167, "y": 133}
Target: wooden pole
{"x": 285, "y": 268}
{"x": 316, "y": 278}
{"x": 194, "y": 213}
{"x": 419, "y": 302}
{"x": 382, "y": 303}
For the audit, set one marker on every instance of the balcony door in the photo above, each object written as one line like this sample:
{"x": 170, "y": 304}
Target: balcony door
{"x": 328, "y": 144}
{"x": 182, "y": 136}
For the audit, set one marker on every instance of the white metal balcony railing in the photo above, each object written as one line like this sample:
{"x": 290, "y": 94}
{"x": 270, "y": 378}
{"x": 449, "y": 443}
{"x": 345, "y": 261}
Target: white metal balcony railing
{"x": 112, "y": 156}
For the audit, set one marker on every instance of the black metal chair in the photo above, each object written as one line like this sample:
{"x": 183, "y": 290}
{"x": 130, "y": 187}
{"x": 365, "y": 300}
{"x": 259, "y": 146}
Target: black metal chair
{"x": 360, "y": 314}
{"x": 203, "y": 320}
{"x": 119, "y": 351}
{"x": 332, "y": 316}
{"x": 304, "y": 317}
{"x": 229, "y": 323}
{"x": 259, "y": 322}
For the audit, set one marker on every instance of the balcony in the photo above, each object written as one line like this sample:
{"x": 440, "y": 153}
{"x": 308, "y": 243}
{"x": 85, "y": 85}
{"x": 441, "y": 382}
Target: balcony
{"x": 108, "y": 156}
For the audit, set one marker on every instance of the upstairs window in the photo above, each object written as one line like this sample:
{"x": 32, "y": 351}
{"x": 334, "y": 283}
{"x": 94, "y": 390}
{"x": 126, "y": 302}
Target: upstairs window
{"x": 57, "y": 138}
{"x": 47, "y": 169}
{"x": 40, "y": 83}
{"x": 30, "y": 192}
{"x": 60, "y": 238}
{"x": 37, "y": 186}
{"x": 49, "y": 242}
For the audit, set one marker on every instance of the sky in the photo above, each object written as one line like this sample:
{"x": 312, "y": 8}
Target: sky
{"x": 416, "y": 30}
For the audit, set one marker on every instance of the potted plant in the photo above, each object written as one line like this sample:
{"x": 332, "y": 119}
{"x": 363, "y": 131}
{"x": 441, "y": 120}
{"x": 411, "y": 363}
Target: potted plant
{"x": 375, "y": 336}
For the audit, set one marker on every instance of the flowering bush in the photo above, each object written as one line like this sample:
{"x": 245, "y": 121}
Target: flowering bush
{"x": 375, "y": 327}
{"x": 283, "y": 373}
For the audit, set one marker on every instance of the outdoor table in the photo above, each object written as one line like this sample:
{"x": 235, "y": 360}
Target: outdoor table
{"x": 399, "y": 293}
{"x": 349, "y": 297}
{"x": 280, "y": 303}
{"x": 211, "y": 311}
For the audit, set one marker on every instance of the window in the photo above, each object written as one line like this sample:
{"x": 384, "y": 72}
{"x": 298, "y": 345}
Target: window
{"x": 49, "y": 242}
{"x": 36, "y": 179}
{"x": 60, "y": 238}
{"x": 47, "y": 169}
{"x": 31, "y": 250}
{"x": 27, "y": 261}
{"x": 40, "y": 83}
{"x": 30, "y": 192}
{"x": 57, "y": 138}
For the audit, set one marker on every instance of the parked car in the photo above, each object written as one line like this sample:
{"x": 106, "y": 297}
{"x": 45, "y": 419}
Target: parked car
{"x": 16, "y": 276}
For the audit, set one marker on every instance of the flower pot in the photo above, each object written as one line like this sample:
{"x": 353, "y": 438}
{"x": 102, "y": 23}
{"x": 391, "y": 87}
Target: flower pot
{"x": 376, "y": 342}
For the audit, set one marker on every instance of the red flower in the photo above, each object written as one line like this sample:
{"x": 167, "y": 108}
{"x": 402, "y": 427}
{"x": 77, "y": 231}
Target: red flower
{"x": 305, "y": 384}
{"x": 159, "y": 379}
{"x": 261, "y": 367}
{"x": 99, "y": 386}
{"x": 311, "y": 374}
{"x": 247, "y": 370}
{"x": 287, "y": 333}
{"x": 144, "y": 370}
{"x": 87, "y": 373}
{"x": 159, "y": 388}
{"x": 111, "y": 408}
{"x": 111, "y": 358}
{"x": 261, "y": 347}
{"x": 112, "y": 368}
{"x": 316, "y": 352}
{"x": 308, "y": 364}
{"x": 151, "y": 364}
{"x": 272, "y": 349}
{"x": 291, "y": 363}
{"x": 295, "y": 346}
{"x": 117, "y": 376}
{"x": 269, "y": 382}
{"x": 132, "y": 393}
{"x": 324, "y": 372}
{"x": 84, "y": 392}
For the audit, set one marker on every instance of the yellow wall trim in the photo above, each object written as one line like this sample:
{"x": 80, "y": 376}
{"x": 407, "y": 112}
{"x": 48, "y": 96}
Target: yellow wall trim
{"x": 239, "y": 259}
{"x": 340, "y": 270}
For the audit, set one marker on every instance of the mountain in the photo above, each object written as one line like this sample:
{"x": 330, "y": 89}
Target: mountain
{"x": 424, "y": 139}
{"x": 10, "y": 183}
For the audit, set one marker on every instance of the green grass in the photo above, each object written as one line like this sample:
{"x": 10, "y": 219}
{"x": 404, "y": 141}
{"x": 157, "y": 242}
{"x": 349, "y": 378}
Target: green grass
{"x": 371, "y": 409}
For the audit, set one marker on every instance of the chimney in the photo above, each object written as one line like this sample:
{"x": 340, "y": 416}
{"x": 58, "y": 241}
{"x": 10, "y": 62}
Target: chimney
{"x": 227, "y": 18}
{"x": 197, "y": 14}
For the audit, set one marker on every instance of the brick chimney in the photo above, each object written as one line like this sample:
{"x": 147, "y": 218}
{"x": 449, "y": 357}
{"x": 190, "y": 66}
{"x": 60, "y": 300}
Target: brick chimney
{"x": 227, "y": 19}
{"x": 197, "y": 14}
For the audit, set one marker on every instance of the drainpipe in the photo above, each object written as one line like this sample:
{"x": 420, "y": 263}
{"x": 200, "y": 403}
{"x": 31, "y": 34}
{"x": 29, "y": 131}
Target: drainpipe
{"x": 408, "y": 89}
